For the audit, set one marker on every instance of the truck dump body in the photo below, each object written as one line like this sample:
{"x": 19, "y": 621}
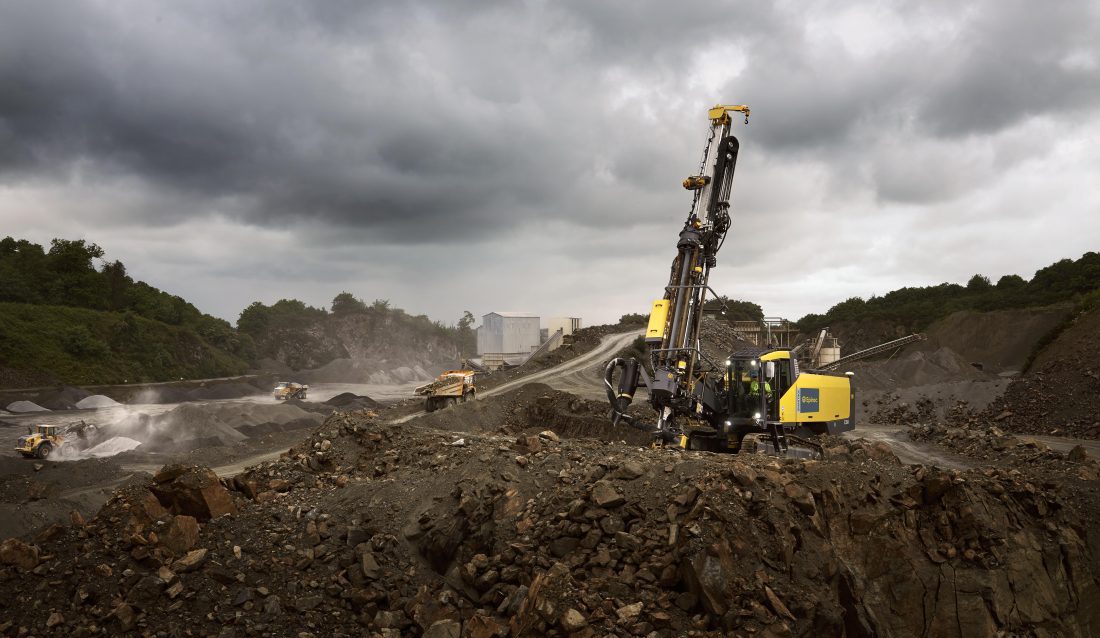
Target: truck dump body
{"x": 449, "y": 388}
{"x": 289, "y": 390}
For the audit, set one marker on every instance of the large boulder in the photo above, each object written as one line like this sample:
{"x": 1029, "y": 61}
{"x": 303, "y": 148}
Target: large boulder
{"x": 15, "y": 552}
{"x": 192, "y": 491}
{"x": 181, "y": 534}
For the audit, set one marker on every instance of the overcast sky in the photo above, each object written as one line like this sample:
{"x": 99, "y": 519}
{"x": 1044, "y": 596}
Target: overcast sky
{"x": 528, "y": 155}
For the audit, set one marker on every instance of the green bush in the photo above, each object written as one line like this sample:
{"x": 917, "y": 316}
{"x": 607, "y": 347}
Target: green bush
{"x": 79, "y": 342}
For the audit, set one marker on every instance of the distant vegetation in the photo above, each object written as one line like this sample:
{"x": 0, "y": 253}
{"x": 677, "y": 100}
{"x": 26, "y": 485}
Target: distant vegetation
{"x": 69, "y": 315}
{"x": 64, "y": 319}
{"x": 915, "y": 308}
{"x": 300, "y": 335}
{"x": 734, "y": 310}
{"x": 42, "y": 345}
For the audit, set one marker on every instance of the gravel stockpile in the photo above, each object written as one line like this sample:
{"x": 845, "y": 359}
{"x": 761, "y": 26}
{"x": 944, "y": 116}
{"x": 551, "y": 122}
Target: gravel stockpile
{"x": 96, "y": 401}
{"x": 21, "y": 407}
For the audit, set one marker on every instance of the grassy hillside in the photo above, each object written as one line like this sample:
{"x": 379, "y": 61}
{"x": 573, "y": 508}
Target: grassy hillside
{"x": 81, "y": 346}
{"x": 69, "y": 315}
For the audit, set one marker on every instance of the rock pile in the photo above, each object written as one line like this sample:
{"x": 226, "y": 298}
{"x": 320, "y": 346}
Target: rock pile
{"x": 349, "y": 401}
{"x": 976, "y": 435}
{"x": 95, "y": 401}
{"x": 20, "y": 407}
{"x": 891, "y": 411}
{"x": 388, "y": 530}
{"x": 1060, "y": 394}
{"x": 532, "y": 408}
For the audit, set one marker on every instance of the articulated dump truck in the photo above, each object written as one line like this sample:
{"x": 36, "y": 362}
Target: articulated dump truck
{"x": 449, "y": 388}
{"x": 285, "y": 390}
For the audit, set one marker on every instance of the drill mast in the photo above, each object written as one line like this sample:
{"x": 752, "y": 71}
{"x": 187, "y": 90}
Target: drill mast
{"x": 672, "y": 336}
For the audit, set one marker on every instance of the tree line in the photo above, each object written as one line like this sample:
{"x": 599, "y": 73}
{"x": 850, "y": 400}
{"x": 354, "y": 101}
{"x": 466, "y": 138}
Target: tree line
{"x": 75, "y": 273}
{"x": 264, "y": 323}
{"x": 915, "y": 308}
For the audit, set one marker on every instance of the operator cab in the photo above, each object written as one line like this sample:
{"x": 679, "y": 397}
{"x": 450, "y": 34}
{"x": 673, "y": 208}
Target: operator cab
{"x": 756, "y": 380}
{"x": 752, "y": 385}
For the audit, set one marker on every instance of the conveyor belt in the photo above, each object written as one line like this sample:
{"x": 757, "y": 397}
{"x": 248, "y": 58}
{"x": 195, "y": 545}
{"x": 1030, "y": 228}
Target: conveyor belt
{"x": 872, "y": 351}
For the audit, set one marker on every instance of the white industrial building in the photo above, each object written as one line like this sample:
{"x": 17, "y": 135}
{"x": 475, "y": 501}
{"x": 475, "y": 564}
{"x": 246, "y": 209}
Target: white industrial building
{"x": 508, "y": 334}
{"x": 567, "y": 325}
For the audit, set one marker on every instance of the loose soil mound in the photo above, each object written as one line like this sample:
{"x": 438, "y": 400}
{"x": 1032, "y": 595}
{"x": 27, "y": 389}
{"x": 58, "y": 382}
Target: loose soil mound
{"x": 111, "y": 447}
{"x": 533, "y": 408}
{"x": 96, "y": 401}
{"x": 1060, "y": 394}
{"x": 1001, "y": 340}
{"x": 378, "y": 529}
{"x": 193, "y": 425}
{"x": 351, "y": 401}
{"x": 917, "y": 369}
{"x": 937, "y": 399}
{"x": 242, "y": 416}
{"x": 187, "y": 426}
{"x": 20, "y": 407}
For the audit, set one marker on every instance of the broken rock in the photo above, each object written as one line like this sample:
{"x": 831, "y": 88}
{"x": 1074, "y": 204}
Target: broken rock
{"x": 15, "y": 552}
{"x": 181, "y": 534}
{"x": 572, "y": 620}
{"x": 604, "y": 495}
{"x": 190, "y": 562}
{"x": 444, "y": 629}
{"x": 193, "y": 491}
{"x": 628, "y": 613}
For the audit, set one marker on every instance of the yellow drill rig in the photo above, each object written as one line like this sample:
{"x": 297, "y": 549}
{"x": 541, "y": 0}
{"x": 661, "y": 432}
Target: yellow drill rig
{"x": 714, "y": 405}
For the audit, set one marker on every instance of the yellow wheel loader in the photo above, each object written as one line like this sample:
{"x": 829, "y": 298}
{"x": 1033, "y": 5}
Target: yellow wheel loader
{"x": 716, "y": 405}
{"x": 40, "y": 441}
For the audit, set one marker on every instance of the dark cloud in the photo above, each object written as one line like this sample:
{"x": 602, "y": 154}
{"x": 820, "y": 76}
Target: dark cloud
{"x": 561, "y": 128}
{"x": 1011, "y": 62}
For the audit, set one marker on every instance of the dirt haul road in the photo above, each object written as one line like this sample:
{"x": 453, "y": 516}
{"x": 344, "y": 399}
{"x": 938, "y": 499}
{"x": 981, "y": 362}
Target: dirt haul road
{"x": 581, "y": 375}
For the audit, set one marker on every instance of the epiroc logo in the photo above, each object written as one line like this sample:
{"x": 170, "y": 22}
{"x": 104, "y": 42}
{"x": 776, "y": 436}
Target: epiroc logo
{"x": 809, "y": 399}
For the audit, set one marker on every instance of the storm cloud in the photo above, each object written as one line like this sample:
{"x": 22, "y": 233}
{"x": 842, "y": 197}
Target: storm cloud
{"x": 498, "y": 156}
